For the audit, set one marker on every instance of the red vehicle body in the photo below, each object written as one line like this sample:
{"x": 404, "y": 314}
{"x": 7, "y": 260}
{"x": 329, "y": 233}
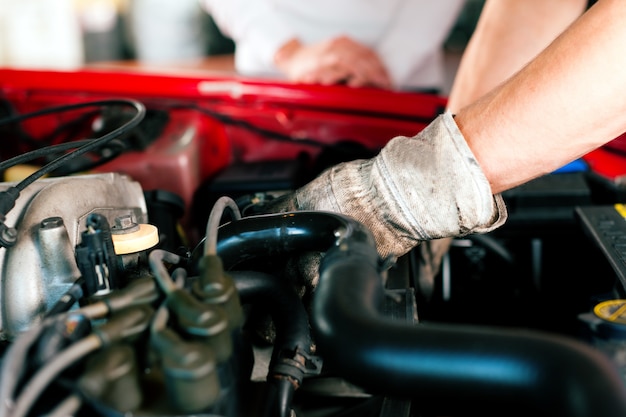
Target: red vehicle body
{"x": 326, "y": 114}
{"x": 215, "y": 120}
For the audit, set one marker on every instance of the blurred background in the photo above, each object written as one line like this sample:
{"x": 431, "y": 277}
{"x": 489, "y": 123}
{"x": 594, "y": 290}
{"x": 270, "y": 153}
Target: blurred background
{"x": 68, "y": 34}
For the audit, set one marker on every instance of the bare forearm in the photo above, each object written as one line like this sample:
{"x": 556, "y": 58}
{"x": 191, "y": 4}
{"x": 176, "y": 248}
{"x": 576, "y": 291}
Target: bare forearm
{"x": 566, "y": 102}
{"x": 508, "y": 35}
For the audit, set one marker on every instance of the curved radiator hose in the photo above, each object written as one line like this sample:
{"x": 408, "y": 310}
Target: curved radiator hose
{"x": 292, "y": 358}
{"x": 443, "y": 367}
{"x": 284, "y": 305}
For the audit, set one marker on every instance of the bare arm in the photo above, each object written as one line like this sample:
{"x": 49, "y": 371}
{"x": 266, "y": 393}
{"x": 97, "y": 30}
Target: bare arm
{"x": 508, "y": 35}
{"x": 565, "y": 103}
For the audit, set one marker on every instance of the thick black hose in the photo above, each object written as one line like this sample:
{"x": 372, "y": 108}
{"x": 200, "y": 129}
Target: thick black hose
{"x": 444, "y": 367}
{"x": 273, "y": 236}
{"x": 282, "y": 302}
{"x": 455, "y": 368}
{"x": 282, "y": 408}
{"x": 292, "y": 332}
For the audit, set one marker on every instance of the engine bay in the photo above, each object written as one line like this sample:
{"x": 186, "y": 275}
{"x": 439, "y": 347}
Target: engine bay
{"x": 140, "y": 274}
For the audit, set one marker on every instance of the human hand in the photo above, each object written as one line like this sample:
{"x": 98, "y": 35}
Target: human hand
{"x": 426, "y": 187}
{"x": 335, "y": 61}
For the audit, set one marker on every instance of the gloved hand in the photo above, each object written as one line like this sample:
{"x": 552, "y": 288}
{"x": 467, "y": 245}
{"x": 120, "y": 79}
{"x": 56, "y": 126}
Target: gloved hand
{"x": 416, "y": 189}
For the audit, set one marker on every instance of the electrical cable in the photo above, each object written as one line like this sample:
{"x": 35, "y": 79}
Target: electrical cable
{"x": 107, "y": 153}
{"x": 15, "y": 357}
{"x": 267, "y": 133}
{"x": 159, "y": 322}
{"x": 69, "y": 298}
{"x": 179, "y": 275}
{"x": 68, "y": 407}
{"x": 270, "y": 134}
{"x": 38, "y": 153}
{"x": 156, "y": 260}
{"x": 59, "y": 109}
{"x": 10, "y": 195}
{"x": 69, "y": 129}
{"x": 93, "y": 145}
{"x": 130, "y": 323}
{"x": 220, "y": 206}
{"x": 40, "y": 381}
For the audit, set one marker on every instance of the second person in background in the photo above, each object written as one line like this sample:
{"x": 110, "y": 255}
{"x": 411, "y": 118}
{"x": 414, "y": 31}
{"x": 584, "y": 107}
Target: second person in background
{"x": 380, "y": 43}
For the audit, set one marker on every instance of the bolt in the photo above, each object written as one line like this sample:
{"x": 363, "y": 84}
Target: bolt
{"x": 124, "y": 224}
{"x": 51, "y": 223}
{"x": 8, "y": 235}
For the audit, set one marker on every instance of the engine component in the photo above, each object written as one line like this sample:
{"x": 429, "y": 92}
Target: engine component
{"x": 190, "y": 369}
{"x": 49, "y": 217}
{"x": 482, "y": 368}
{"x": 607, "y": 330}
{"x": 190, "y": 356}
{"x": 113, "y": 375}
{"x": 130, "y": 237}
{"x": 96, "y": 258}
{"x": 132, "y": 347}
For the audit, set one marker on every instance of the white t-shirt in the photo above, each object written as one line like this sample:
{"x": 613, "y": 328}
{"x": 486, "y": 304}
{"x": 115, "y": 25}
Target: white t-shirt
{"x": 407, "y": 34}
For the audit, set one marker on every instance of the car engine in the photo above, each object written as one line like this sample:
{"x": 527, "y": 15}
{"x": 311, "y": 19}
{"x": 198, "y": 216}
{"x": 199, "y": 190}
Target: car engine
{"x": 124, "y": 295}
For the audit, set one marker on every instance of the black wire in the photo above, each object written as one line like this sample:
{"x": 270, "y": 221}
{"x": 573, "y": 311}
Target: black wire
{"x": 267, "y": 133}
{"x": 68, "y": 129}
{"x": 64, "y": 108}
{"x": 41, "y": 152}
{"x": 113, "y": 149}
{"x": 22, "y": 136}
{"x": 71, "y": 296}
{"x": 91, "y": 145}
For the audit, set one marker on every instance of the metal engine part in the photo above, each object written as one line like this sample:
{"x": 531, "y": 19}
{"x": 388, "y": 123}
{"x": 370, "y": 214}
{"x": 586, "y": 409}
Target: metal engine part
{"x": 49, "y": 216}
{"x": 175, "y": 341}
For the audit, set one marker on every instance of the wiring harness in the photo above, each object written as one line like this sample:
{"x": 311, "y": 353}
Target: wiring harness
{"x": 8, "y": 234}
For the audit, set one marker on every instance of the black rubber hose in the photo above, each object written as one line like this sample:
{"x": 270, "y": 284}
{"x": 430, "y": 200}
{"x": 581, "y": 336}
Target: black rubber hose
{"x": 284, "y": 398}
{"x": 452, "y": 369}
{"x": 445, "y": 368}
{"x": 455, "y": 368}
{"x": 293, "y": 333}
{"x": 270, "y": 236}
{"x": 273, "y": 236}
{"x": 284, "y": 306}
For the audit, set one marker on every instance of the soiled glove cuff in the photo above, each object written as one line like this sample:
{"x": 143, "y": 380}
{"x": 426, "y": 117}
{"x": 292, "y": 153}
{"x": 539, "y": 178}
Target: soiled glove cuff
{"x": 421, "y": 188}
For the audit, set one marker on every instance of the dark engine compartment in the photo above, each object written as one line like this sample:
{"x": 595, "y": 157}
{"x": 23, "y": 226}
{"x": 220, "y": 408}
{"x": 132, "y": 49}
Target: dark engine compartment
{"x": 229, "y": 312}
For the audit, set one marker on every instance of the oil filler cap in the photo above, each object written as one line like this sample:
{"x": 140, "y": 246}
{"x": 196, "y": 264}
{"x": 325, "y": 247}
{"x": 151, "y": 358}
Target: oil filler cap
{"x": 607, "y": 324}
{"x": 613, "y": 311}
{"x": 129, "y": 237}
{"x": 610, "y": 319}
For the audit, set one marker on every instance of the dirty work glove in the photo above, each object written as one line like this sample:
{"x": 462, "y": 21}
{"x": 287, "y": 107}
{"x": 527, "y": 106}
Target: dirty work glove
{"x": 416, "y": 189}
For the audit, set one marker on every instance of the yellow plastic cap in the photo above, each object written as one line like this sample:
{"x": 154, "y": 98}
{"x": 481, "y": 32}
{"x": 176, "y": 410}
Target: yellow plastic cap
{"x": 146, "y": 237}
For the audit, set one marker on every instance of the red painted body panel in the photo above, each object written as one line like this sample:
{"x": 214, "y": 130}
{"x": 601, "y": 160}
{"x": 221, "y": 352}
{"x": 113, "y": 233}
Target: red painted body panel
{"x": 211, "y": 116}
{"x": 215, "y": 120}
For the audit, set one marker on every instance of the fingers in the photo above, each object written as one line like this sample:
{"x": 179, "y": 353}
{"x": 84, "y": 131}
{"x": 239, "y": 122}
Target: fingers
{"x": 339, "y": 60}
{"x": 364, "y": 66}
